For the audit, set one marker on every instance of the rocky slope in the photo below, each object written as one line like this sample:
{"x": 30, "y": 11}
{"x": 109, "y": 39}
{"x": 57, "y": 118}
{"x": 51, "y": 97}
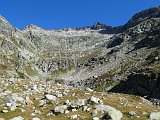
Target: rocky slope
{"x": 123, "y": 59}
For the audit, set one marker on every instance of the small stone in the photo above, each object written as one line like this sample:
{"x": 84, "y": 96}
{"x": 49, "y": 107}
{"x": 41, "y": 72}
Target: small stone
{"x": 132, "y": 113}
{"x": 8, "y": 104}
{"x": 96, "y": 118}
{"x": 33, "y": 114}
{"x": 4, "y": 111}
{"x": 94, "y": 113}
{"x": 18, "y": 118}
{"x": 66, "y": 112}
{"x": 84, "y": 108}
{"x": 50, "y": 113}
{"x": 74, "y": 117}
{"x": 35, "y": 119}
{"x": 22, "y": 110}
{"x": 50, "y": 97}
{"x": 81, "y": 102}
{"x": 13, "y": 108}
{"x": 73, "y": 94}
{"x": 59, "y": 95}
{"x": 95, "y": 100}
{"x": 2, "y": 119}
{"x": 67, "y": 102}
{"x": 74, "y": 110}
{"x": 89, "y": 90}
{"x": 88, "y": 109}
{"x": 60, "y": 109}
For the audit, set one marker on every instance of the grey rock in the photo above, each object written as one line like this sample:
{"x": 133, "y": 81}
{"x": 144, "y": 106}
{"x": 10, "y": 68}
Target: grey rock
{"x": 60, "y": 109}
{"x": 5, "y": 111}
{"x": 96, "y": 118}
{"x": 154, "y": 116}
{"x": 111, "y": 113}
{"x": 18, "y": 118}
{"x": 35, "y": 119}
{"x": 95, "y": 100}
{"x": 74, "y": 117}
{"x": 81, "y": 102}
{"x": 50, "y": 97}
{"x": 94, "y": 113}
{"x": 132, "y": 113}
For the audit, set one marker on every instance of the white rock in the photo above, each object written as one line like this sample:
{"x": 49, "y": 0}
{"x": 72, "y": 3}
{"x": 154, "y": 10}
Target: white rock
{"x": 66, "y": 112}
{"x": 5, "y": 111}
{"x": 74, "y": 117}
{"x": 74, "y": 110}
{"x": 22, "y": 110}
{"x": 84, "y": 108}
{"x": 132, "y": 113}
{"x": 88, "y": 109}
{"x": 50, "y": 97}
{"x": 73, "y": 94}
{"x": 20, "y": 99}
{"x": 8, "y": 104}
{"x": 154, "y": 116}
{"x": 34, "y": 87}
{"x": 95, "y": 100}
{"x": 59, "y": 95}
{"x": 81, "y": 102}
{"x": 89, "y": 90}
{"x": 94, "y": 113}
{"x": 35, "y": 119}
{"x": 18, "y": 118}
{"x": 96, "y": 118}
{"x": 111, "y": 112}
{"x": 60, "y": 109}
{"x": 67, "y": 102}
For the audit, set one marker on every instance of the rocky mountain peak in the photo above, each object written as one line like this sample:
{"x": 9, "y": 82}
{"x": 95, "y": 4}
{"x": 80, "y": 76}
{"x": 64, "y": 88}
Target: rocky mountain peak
{"x": 5, "y": 26}
{"x": 31, "y": 27}
{"x": 144, "y": 15}
{"x": 98, "y": 26}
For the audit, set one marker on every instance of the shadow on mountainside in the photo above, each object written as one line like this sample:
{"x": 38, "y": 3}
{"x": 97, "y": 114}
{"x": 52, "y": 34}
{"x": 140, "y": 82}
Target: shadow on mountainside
{"x": 142, "y": 84}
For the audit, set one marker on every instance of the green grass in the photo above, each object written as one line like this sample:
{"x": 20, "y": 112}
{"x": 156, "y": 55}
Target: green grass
{"x": 157, "y": 68}
{"x": 21, "y": 75}
{"x": 62, "y": 70}
{"x": 30, "y": 71}
{"x": 88, "y": 56}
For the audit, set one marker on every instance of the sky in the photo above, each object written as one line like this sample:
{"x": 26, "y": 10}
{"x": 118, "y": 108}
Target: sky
{"x": 54, "y": 14}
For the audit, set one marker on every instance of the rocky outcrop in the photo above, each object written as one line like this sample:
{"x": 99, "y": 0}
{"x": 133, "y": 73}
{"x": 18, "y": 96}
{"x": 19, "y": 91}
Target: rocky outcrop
{"x": 142, "y": 84}
{"x": 135, "y": 20}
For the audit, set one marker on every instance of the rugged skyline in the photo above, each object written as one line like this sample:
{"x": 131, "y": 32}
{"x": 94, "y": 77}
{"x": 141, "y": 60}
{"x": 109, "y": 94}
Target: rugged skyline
{"x": 55, "y": 14}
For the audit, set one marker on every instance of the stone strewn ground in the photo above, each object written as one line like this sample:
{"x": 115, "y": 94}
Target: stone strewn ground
{"x": 37, "y": 99}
